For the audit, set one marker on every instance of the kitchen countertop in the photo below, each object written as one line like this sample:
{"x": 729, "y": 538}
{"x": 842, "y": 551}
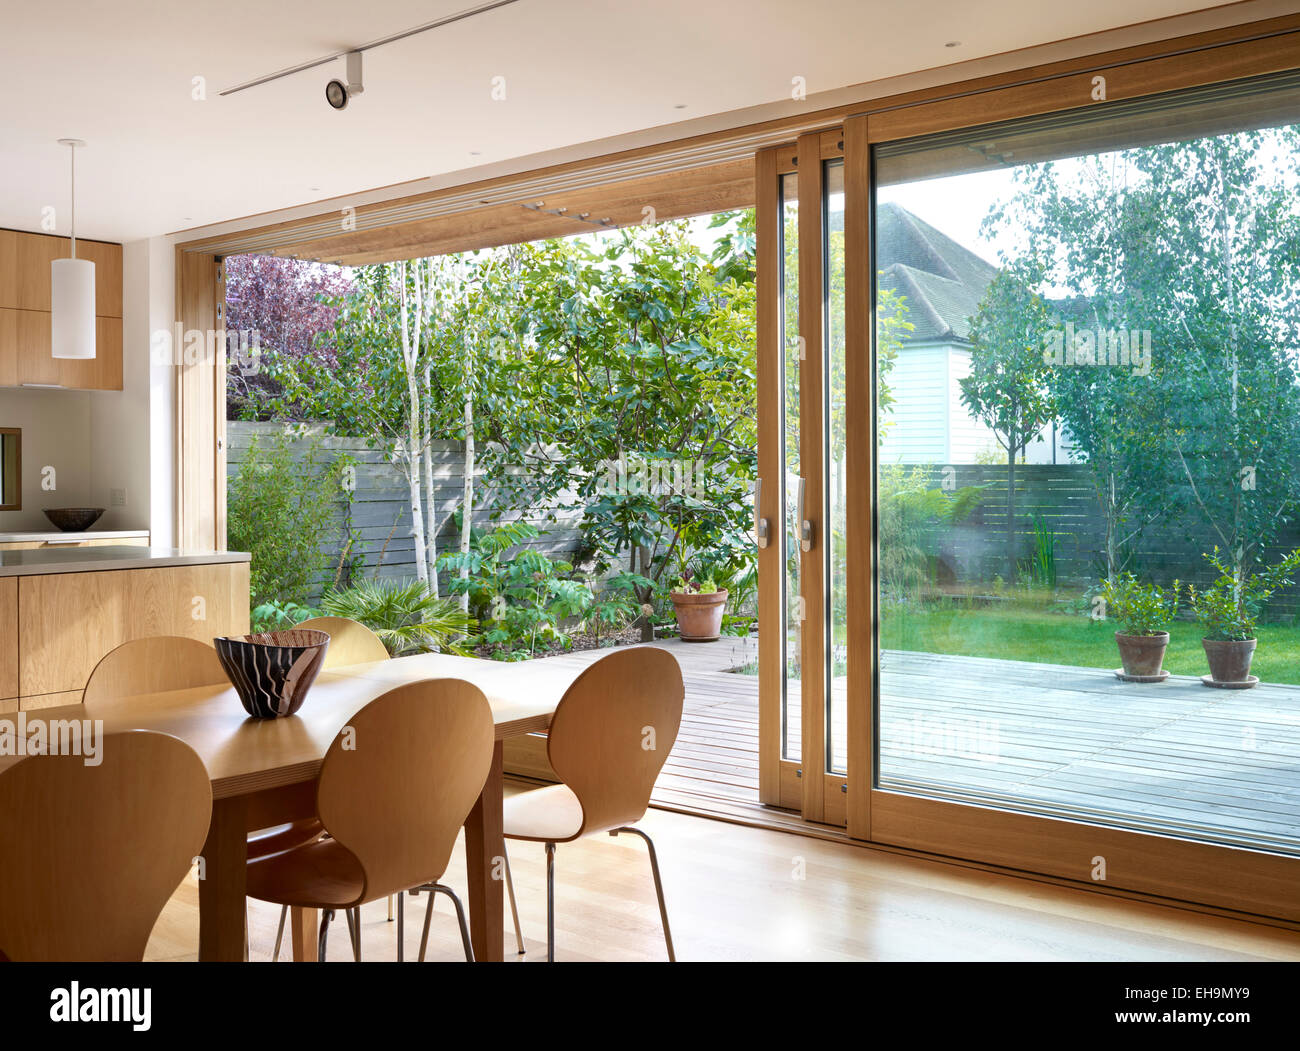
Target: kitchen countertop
{"x": 45, "y": 560}
{"x": 57, "y": 535}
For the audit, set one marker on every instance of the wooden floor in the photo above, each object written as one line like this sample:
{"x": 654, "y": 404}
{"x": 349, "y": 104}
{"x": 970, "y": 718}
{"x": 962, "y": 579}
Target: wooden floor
{"x": 737, "y": 893}
{"x": 1177, "y": 756}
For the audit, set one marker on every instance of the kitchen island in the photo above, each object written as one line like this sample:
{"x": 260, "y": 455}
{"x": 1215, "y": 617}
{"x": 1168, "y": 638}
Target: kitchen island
{"x": 63, "y": 609}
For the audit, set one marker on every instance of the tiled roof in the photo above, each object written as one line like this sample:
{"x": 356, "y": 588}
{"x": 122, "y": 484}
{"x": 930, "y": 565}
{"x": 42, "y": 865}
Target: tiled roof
{"x": 943, "y": 281}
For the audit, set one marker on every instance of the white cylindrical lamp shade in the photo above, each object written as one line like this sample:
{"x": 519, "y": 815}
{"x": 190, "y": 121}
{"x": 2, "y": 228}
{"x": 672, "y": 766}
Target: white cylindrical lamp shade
{"x": 72, "y": 308}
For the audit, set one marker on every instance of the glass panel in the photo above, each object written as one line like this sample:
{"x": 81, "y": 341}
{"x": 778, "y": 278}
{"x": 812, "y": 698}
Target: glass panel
{"x": 836, "y": 478}
{"x": 790, "y": 701}
{"x": 1088, "y": 359}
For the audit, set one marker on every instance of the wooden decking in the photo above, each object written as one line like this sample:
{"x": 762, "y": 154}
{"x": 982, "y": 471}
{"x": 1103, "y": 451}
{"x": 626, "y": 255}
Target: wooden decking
{"x": 716, "y": 755}
{"x": 1175, "y": 757}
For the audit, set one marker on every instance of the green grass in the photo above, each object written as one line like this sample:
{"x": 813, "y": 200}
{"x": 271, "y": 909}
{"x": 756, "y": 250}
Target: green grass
{"x": 1024, "y": 633}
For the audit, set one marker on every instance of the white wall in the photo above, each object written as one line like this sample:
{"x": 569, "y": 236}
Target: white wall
{"x": 119, "y": 420}
{"x": 56, "y": 435}
{"x": 158, "y": 296}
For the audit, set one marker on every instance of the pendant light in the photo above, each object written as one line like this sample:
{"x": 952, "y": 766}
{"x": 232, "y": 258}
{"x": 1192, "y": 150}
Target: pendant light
{"x": 72, "y": 289}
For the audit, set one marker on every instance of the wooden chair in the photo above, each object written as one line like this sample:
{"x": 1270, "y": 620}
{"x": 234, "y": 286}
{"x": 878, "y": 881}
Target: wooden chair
{"x": 152, "y": 665}
{"x": 172, "y": 662}
{"x": 392, "y": 794}
{"x": 609, "y": 738}
{"x": 94, "y": 852}
{"x": 351, "y": 642}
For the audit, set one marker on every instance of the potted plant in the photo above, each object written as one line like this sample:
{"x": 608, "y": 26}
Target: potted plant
{"x": 698, "y": 605}
{"x": 1144, "y": 612}
{"x": 1228, "y": 609}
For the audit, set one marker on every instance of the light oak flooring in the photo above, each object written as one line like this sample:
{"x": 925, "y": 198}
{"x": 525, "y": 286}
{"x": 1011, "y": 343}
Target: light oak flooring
{"x": 738, "y": 893}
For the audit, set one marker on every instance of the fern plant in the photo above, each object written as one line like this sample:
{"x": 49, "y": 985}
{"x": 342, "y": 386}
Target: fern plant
{"x": 405, "y": 615}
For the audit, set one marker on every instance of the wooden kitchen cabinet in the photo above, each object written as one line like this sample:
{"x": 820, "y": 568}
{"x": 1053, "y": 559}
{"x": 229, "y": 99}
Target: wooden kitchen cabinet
{"x": 25, "y": 313}
{"x": 8, "y": 643}
{"x": 68, "y": 621}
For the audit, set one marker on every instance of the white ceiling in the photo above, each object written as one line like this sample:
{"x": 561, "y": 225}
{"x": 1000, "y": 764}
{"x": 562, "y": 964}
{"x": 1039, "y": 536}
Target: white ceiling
{"x": 119, "y": 75}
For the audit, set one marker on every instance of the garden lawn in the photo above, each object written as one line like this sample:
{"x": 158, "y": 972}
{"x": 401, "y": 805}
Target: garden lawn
{"x": 1026, "y": 634}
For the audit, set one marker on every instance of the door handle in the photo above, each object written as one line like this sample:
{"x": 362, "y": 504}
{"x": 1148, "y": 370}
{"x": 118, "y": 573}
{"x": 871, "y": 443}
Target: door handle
{"x": 760, "y": 524}
{"x": 805, "y": 526}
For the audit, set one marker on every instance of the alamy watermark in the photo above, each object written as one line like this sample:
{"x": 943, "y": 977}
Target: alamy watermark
{"x": 1110, "y": 347}
{"x": 649, "y": 477}
{"x": 182, "y": 346}
{"x": 36, "y": 736}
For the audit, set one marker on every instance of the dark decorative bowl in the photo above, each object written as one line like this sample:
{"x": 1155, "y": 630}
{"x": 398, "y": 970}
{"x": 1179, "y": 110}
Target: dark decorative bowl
{"x": 73, "y": 519}
{"x": 273, "y": 671}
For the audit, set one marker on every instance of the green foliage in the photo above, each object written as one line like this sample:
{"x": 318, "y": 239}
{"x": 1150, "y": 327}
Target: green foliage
{"x": 914, "y": 521}
{"x": 1042, "y": 566}
{"x": 1141, "y": 609}
{"x": 522, "y": 597}
{"x": 1196, "y": 246}
{"x": 404, "y": 614}
{"x": 275, "y": 616}
{"x": 1230, "y": 606}
{"x": 279, "y": 509}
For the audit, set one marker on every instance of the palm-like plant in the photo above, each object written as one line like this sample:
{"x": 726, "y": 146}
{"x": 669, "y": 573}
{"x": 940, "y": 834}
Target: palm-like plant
{"x": 405, "y": 615}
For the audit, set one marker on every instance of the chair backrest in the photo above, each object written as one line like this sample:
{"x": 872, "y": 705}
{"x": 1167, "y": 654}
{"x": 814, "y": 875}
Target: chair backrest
{"x": 163, "y": 662}
{"x": 612, "y": 732}
{"x": 92, "y": 853}
{"x": 351, "y": 642}
{"x": 399, "y": 781}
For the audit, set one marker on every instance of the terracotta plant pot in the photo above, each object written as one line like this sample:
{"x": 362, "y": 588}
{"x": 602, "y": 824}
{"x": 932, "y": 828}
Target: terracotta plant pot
{"x": 699, "y": 617}
{"x": 1142, "y": 655}
{"x": 1229, "y": 660}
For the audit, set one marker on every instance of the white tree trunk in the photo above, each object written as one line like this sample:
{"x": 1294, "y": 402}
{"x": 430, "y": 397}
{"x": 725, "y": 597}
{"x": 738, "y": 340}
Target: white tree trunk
{"x": 431, "y": 503}
{"x": 467, "y": 504}
{"x": 410, "y": 352}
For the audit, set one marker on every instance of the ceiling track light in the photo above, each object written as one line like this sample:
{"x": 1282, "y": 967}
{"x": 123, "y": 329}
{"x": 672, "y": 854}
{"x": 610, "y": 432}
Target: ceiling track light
{"x": 338, "y": 93}
{"x": 392, "y": 38}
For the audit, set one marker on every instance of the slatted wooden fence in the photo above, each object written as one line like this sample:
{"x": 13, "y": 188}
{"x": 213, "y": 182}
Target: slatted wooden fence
{"x": 380, "y": 511}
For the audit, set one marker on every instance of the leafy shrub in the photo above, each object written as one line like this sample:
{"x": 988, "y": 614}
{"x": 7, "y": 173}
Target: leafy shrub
{"x": 278, "y": 510}
{"x": 404, "y": 614}
{"x": 275, "y": 616}
{"x": 520, "y": 596}
{"x": 1229, "y": 607}
{"x": 1140, "y": 609}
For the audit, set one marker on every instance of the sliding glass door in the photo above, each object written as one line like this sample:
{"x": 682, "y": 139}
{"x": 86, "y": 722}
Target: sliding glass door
{"x": 1030, "y": 420}
{"x": 802, "y": 464}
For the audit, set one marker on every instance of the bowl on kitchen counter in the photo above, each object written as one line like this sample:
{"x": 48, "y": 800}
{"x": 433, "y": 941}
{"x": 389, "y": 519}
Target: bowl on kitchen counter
{"x": 73, "y": 519}
{"x": 272, "y": 670}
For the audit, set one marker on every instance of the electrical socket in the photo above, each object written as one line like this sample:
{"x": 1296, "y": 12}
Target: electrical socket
{"x": 117, "y": 497}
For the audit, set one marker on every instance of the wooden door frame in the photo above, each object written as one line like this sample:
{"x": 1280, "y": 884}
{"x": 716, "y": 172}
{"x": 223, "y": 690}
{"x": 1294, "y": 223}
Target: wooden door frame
{"x": 200, "y": 390}
{"x": 1235, "y": 878}
{"x": 803, "y": 784}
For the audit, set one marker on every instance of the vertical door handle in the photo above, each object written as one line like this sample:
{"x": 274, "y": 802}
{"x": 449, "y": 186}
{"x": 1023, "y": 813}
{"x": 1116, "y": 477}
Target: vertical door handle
{"x": 760, "y": 523}
{"x": 805, "y": 526}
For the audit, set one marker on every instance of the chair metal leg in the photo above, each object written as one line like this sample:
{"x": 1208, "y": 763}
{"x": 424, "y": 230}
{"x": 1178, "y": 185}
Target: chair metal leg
{"x": 428, "y": 916}
{"x": 514, "y": 908}
{"x": 279, "y": 934}
{"x": 390, "y": 907}
{"x": 401, "y": 926}
{"x": 659, "y": 887}
{"x": 460, "y": 917}
{"x": 354, "y": 931}
{"x": 550, "y": 902}
{"x": 325, "y": 917}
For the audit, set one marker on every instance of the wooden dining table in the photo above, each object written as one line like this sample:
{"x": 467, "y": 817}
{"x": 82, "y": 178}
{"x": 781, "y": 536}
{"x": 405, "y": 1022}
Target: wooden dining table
{"x": 264, "y": 772}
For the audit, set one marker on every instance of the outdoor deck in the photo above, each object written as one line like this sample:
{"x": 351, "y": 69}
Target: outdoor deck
{"x": 1214, "y": 764}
